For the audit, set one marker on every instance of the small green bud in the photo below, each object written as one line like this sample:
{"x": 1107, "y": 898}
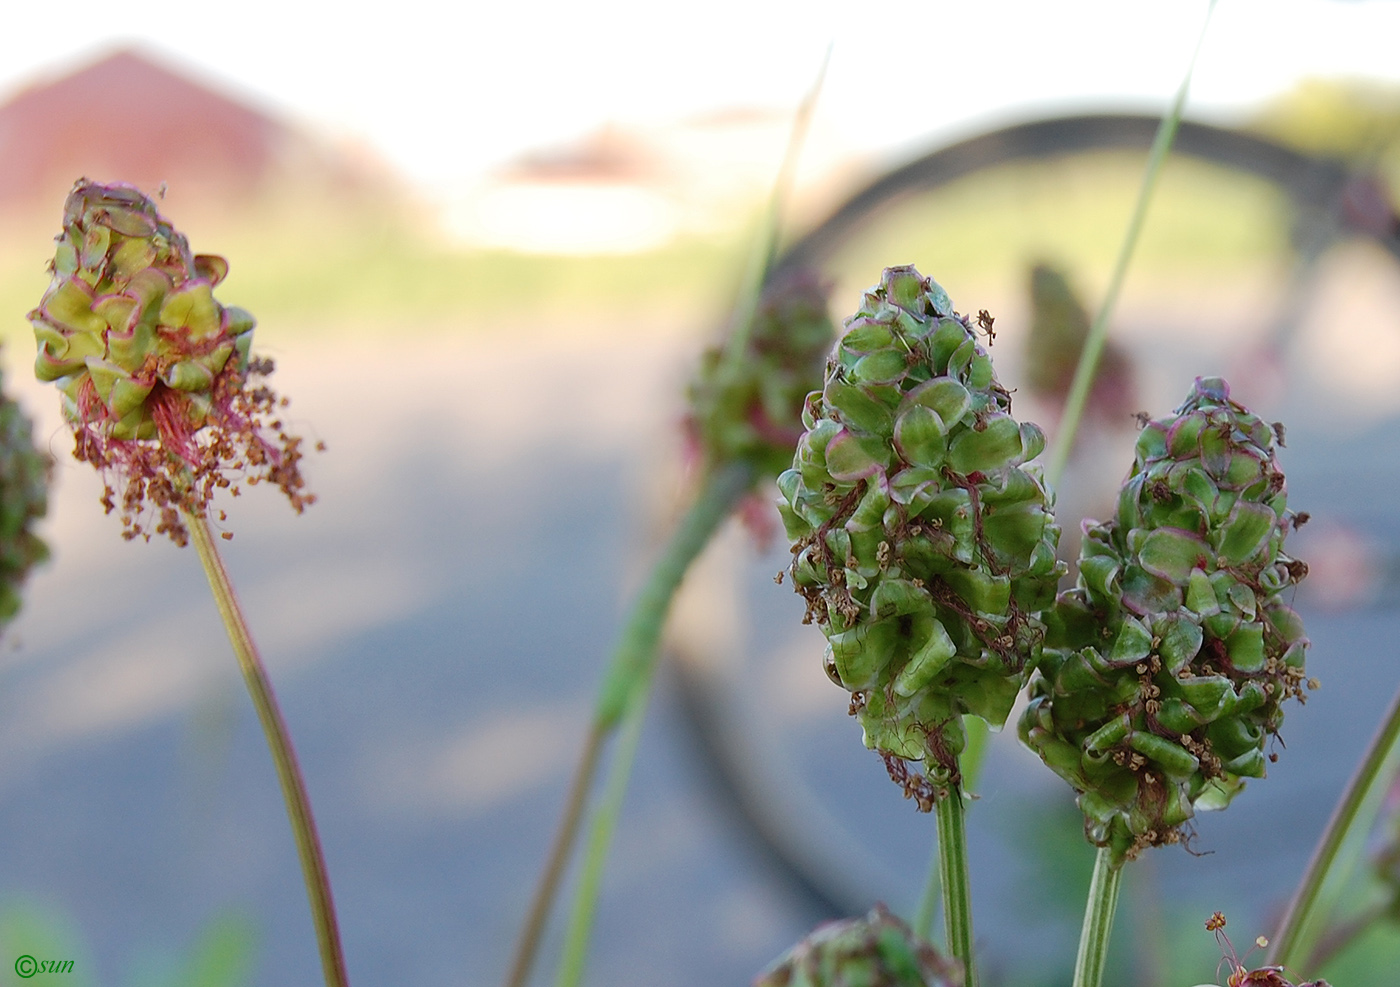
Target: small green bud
{"x": 923, "y": 539}
{"x": 1165, "y": 669}
{"x": 875, "y": 951}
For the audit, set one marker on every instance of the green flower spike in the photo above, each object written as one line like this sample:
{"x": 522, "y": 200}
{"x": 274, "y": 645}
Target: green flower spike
{"x": 1166, "y": 667}
{"x": 24, "y": 489}
{"x": 922, "y": 541}
{"x": 749, "y": 407}
{"x": 154, "y": 371}
{"x": 875, "y": 951}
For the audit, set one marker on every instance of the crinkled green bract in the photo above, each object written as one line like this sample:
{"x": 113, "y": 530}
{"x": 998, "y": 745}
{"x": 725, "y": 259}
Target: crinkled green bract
{"x": 750, "y": 408}
{"x": 875, "y": 951}
{"x": 1166, "y": 667}
{"x": 923, "y": 541}
{"x": 157, "y": 381}
{"x": 131, "y": 317}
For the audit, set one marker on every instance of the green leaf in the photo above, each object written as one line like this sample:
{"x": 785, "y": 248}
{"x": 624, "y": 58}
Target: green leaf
{"x": 1097, "y": 574}
{"x": 1151, "y": 443}
{"x": 191, "y": 307}
{"x": 961, "y": 359}
{"x": 1210, "y": 695}
{"x": 897, "y": 597}
{"x": 1184, "y": 435}
{"x": 862, "y": 652}
{"x": 1109, "y": 735}
{"x": 1178, "y": 716}
{"x": 1200, "y": 594}
{"x": 1235, "y": 735}
{"x": 1144, "y": 593}
{"x": 951, "y": 510}
{"x": 988, "y": 693}
{"x": 1242, "y": 598}
{"x": 849, "y": 459}
{"x": 1245, "y": 467}
{"x": 69, "y": 307}
{"x": 907, "y": 484}
{"x": 1133, "y": 642}
{"x": 866, "y": 335}
{"x": 933, "y": 650}
{"x": 979, "y": 373}
{"x": 1172, "y": 553}
{"x": 904, "y": 286}
{"x": 938, "y": 298}
{"x": 1245, "y": 532}
{"x": 996, "y": 446}
{"x": 880, "y": 367}
{"x": 1032, "y": 441}
{"x": 1246, "y": 648}
{"x": 950, "y": 335}
{"x": 856, "y": 408}
{"x": 983, "y": 591}
{"x": 1174, "y": 760}
{"x": 1014, "y": 531}
{"x": 1179, "y": 639}
{"x": 920, "y": 437}
{"x": 1287, "y": 622}
{"x": 944, "y": 395}
{"x": 811, "y": 448}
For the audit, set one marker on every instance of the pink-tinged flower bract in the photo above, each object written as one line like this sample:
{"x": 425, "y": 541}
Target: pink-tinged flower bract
{"x": 157, "y": 378}
{"x": 1166, "y": 668}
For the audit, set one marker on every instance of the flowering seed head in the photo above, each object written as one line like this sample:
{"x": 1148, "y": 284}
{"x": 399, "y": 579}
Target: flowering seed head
{"x": 923, "y": 541}
{"x": 1165, "y": 669}
{"x": 750, "y": 406}
{"x": 875, "y": 951}
{"x": 156, "y": 375}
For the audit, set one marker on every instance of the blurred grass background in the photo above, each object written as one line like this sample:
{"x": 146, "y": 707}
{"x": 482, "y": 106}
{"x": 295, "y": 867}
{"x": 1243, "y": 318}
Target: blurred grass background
{"x": 320, "y": 267}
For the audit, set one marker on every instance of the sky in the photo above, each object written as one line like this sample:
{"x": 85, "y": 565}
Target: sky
{"x": 446, "y": 91}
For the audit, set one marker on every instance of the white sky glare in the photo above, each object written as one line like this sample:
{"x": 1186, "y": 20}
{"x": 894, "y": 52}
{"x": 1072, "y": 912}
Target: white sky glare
{"x": 445, "y": 91}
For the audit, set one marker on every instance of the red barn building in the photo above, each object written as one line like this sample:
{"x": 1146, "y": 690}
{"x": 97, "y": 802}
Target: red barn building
{"x": 128, "y": 118}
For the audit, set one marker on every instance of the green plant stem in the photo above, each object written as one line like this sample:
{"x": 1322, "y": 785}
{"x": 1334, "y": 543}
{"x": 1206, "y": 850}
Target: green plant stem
{"x": 635, "y": 654}
{"x": 952, "y": 872}
{"x": 527, "y": 946}
{"x": 1098, "y": 920}
{"x": 637, "y": 647}
{"x": 765, "y": 248}
{"x": 279, "y": 742}
{"x": 600, "y": 836}
{"x": 628, "y": 688}
{"x": 638, "y": 642}
{"x": 969, "y": 766}
{"x": 1098, "y": 331}
{"x": 1340, "y": 937}
{"x": 1351, "y": 818}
